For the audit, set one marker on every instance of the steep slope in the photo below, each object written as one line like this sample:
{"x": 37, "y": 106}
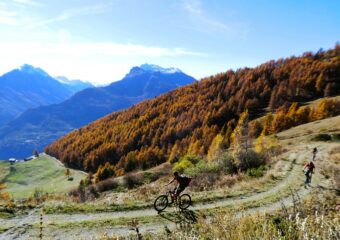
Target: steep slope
{"x": 188, "y": 119}
{"x": 38, "y": 127}
{"x": 28, "y": 87}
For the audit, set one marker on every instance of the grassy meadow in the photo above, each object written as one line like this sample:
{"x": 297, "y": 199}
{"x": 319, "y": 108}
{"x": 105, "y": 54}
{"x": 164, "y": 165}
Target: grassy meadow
{"x": 43, "y": 174}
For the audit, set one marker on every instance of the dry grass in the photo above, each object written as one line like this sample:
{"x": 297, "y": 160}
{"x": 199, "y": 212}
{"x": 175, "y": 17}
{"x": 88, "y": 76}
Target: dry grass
{"x": 316, "y": 218}
{"x": 228, "y": 181}
{"x": 305, "y": 132}
{"x": 335, "y": 155}
{"x": 331, "y": 168}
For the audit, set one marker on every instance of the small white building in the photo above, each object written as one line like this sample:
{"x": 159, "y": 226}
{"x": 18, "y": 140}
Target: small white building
{"x": 30, "y": 158}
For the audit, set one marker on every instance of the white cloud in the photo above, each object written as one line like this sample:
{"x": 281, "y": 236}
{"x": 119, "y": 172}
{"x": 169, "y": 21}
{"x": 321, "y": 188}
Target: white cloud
{"x": 195, "y": 9}
{"x": 73, "y": 12}
{"x": 96, "y": 48}
{"x": 203, "y": 22}
{"x": 8, "y": 17}
{"x": 13, "y": 14}
{"x": 134, "y": 50}
{"x": 27, "y": 2}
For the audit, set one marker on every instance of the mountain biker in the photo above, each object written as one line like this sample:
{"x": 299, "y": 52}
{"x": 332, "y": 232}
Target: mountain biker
{"x": 315, "y": 150}
{"x": 183, "y": 182}
{"x": 309, "y": 170}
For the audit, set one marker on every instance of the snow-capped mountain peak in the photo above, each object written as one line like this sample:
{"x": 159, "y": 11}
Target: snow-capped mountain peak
{"x": 155, "y": 68}
{"x": 32, "y": 70}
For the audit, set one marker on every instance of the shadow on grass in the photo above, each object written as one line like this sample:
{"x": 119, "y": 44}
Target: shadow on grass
{"x": 180, "y": 217}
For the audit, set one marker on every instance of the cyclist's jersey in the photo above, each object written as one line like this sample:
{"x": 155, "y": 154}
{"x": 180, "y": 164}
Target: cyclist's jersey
{"x": 183, "y": 181}
{"x": 310, "y": 166}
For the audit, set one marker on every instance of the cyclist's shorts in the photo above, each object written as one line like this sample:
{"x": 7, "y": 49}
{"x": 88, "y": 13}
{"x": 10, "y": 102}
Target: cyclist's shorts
{"x": 179, "y": 189}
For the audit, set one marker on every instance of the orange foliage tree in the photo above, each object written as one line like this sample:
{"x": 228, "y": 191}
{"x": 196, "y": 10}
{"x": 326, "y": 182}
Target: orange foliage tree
{"x": 3, "y": 195}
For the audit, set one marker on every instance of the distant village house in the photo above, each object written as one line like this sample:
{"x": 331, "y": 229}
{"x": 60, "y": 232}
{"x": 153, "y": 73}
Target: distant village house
{"x": 30, "y": 158}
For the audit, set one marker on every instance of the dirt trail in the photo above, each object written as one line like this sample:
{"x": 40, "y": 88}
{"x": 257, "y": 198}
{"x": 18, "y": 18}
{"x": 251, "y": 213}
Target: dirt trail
{"x": 20, "y": 227}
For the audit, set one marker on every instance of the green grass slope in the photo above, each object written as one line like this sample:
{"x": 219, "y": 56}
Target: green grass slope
{"x": 44, "y": 174}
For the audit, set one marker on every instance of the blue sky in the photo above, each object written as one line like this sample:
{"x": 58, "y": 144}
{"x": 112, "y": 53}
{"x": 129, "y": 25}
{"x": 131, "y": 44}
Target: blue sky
{"x": 100, "y": 40}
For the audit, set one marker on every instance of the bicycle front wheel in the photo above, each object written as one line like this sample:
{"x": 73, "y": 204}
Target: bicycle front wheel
{"x": 161, "y": 203}
{"x": 184, "y": 201}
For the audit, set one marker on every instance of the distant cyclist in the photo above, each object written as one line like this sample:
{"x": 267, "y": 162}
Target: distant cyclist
{"x": 315, "y": 151}
{"x": 309, "y": 170}
{"x": 182, "y": 183}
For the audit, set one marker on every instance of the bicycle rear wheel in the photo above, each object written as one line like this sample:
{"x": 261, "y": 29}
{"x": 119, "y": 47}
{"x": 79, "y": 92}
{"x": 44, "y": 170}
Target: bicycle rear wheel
{"x": 161, "y": 203}
{"x": 184, "y": 201}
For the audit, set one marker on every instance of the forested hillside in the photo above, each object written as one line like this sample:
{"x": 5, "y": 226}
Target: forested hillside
{"x": 188, "y": 119}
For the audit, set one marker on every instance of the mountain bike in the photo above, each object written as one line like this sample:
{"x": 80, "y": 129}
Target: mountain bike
{"x": 162, "y": 202}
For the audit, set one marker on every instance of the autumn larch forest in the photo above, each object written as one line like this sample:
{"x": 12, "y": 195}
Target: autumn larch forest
{"x": 187, "y": 120}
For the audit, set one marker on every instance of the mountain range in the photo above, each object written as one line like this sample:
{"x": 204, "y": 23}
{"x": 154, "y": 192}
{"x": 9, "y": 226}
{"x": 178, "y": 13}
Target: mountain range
{"x": 28, "y": 87}
{"x": 37, "y": 127}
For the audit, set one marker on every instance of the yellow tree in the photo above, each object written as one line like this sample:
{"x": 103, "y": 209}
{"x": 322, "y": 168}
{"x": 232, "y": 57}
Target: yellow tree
{"x": 279, "y": 122}
{"x": 320, "y": 82}
{"x": 260, "y": 143}
{"x": 196, "y": 148}
{"x": 99, "y": 173}
{"x": 326, "y": 108}
{"x": 292, "y": 115}
{"x": 175, "y": 153}
{"x": 240, "y": 137}
{"x": 105, "y": 172}
{"x": 3, "y": 195}
{"x": 267, "y": 122}
{"x": 267, "y": 145}
{"x": 302, "y": 115}
{"x": 215, "y": 147}
{"x": 255, "y": 128}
